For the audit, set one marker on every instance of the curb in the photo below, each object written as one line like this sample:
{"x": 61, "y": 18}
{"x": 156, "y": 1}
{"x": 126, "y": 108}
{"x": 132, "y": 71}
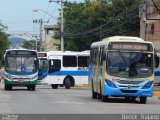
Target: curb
{"x": 81, "y": 86}
{"x": 157, "y": 93}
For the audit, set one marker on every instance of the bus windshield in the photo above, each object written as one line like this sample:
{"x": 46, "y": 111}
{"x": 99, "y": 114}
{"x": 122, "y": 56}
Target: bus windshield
{"x": 129, "y": 64}
{"x": 21, "y": 64}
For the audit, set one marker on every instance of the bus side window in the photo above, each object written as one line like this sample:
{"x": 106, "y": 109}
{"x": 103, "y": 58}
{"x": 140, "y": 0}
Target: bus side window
{"x": 83, "y": 61}
{"x": 69, "y": 61}
{"x": 54, "y": 65}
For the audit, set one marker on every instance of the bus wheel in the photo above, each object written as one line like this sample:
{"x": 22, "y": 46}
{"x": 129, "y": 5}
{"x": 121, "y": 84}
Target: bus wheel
{"x": 99, "y": 96}
{"x": 8, "y": 87}
{"x": 104, "y": 98}
{"x": 31, "y": 88}
{"x": 143, "y": 100}
{"x": 54, "y": 86}
{"x": 94, "y": 94}
{"x": 67, "y": 83}
{"x": 127, "y": 99}
{"x": 133, "y": 99}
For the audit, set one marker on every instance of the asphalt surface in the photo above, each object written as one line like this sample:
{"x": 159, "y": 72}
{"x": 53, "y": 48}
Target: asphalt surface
{"x": 71, "y": 101}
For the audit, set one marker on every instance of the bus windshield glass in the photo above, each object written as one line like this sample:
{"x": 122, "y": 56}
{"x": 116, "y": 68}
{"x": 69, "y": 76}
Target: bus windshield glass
{"x": 129, "y": 64}
{"x": 21, "y": 64}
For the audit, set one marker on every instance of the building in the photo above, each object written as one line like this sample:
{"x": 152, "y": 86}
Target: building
{"x": 149, "y": 14}
{"x": 49, "y": 43}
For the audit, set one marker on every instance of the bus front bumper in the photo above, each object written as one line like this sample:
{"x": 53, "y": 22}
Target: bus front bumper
{"x": 20, "y": 83}
{"x": 125, "y": 92}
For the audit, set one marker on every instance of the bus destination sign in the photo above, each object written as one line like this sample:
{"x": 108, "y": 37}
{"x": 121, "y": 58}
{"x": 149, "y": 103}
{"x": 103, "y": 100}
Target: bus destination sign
{"x": 42, "y": 54}
{"x": 130, "y": 46}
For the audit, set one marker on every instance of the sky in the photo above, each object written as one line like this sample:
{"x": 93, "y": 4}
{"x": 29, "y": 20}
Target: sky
{"x": 18, "y": 16}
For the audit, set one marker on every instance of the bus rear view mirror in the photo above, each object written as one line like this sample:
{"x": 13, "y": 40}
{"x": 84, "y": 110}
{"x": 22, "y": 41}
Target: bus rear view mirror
{"x": 36, "y": 62}
{"x": 156, "y": 61}
{"x": 104, "y": 56}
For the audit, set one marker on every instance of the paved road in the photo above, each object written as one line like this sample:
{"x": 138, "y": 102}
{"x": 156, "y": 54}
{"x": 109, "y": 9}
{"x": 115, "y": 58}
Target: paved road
{"x": 77, "y": 101}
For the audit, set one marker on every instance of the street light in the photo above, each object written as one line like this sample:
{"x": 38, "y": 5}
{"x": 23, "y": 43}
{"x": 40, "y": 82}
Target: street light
{"x": 62, "y": 27}
{"x": 37, "y": 10}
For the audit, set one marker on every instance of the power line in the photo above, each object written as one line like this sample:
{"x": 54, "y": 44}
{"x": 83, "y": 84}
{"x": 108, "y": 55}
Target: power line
{"x": 98, "y": 28}
{"x": 46, "y": 11}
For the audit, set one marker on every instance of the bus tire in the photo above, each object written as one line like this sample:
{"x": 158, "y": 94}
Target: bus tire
{"x": 31, "y": 87}
{"x": 99, "y": 96}
{"x": 54, "y": 86}
{"x": 67, "y": 83}
{"x": 143, "y": 100}
{"x": 133, "y": 99}
{"x": 127, "y": 99}
{"x": 8, "y": 87}
{"x": 28, "y": 87}
{"x": 104, "y": 98}
{"x": 94, "y": 94}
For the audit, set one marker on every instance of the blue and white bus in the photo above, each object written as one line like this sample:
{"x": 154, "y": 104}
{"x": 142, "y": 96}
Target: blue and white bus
{"x": 43, "y": 65}
{"x": 67, "y": 69}
{"x": 122, "y": 67}
{"x": 21, "y": 68}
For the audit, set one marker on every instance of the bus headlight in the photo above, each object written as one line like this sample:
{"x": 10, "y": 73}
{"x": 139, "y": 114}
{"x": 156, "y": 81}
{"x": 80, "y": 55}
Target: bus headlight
{"x": 110, "y": 83}
{"x": 8, "y": 76}
{"x": 148, "y": 85}
{"x": 34, "y": 77}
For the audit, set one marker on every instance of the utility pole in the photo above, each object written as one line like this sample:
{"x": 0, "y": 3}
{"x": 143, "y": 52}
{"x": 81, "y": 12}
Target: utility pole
{"x": 36, "y": 37}
{"x": 40, "y": 21}
{"x": 142, "y": 15}
{"x": 62, "y": 26}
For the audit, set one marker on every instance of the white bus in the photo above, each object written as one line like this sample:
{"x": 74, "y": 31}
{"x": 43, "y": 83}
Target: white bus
{"x": 67, "y": 68}
{"x": 21, "y": 68}
{"x": 122, "y": 67}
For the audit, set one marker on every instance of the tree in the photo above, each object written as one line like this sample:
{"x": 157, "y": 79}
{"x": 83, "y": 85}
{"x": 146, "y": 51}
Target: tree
{"x": 31, "y": 45}
{"x": 4, "y": 43}
{"x": 88, "y": 22}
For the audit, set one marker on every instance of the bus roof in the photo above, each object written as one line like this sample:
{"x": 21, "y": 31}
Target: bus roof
{"x": 106, "y": 41}
{"x": 59, "y": 53}
{"x": 126, "y": 38}
{"x": 20, "y": 49}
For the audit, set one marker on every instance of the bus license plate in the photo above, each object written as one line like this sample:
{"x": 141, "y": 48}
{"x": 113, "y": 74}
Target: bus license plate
{"x": 20, "y": 80}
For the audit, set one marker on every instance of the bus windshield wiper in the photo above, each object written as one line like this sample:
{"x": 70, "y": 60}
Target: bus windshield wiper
{"x": 123, "y": 58}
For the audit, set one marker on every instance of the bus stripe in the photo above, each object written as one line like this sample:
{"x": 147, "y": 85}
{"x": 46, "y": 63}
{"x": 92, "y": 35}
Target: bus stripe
{"x": 73, "y": 73}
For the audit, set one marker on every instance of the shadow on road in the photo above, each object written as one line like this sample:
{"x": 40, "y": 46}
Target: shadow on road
{"x": 114, "y": 100}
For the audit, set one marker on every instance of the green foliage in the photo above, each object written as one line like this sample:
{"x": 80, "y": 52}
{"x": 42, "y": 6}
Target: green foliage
{"x": 4, "y": 43}
{"x": 88, "y": 22}
{"x": 31, "y": 45}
